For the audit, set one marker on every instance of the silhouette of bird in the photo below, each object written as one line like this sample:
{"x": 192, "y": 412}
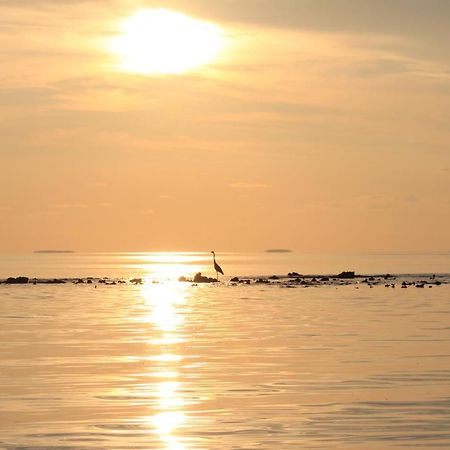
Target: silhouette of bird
{"x": 217, "y": 268}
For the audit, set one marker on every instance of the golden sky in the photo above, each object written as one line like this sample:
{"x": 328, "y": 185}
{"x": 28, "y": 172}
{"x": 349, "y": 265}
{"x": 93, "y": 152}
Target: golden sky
{"x": 320, "y": 126}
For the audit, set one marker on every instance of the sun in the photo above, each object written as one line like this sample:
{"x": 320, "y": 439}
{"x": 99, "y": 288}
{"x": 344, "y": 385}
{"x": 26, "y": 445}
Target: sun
{"x": 161, "y": 41}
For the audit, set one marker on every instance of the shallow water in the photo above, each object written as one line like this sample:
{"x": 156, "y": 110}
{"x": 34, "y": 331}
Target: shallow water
{"x": 178, "y": 367}
{"x": 173, "y": 265}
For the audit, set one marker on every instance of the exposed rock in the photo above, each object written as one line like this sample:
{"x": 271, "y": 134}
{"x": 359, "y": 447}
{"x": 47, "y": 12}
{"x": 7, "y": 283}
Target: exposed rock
{"x": 235, "y": 280}
{"x": 294, "y": 274}
{"x": 273, "y": 277}
{"x": 18, "y": 280}
{"x": 346, "y": 275}
{"x": 136, "y": 281}
{"x": 199, "y": 278}
{"x": 54, "y": 281}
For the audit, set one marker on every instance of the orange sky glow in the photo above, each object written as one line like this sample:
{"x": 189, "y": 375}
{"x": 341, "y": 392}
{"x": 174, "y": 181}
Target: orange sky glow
{"x": 238, "y": 125}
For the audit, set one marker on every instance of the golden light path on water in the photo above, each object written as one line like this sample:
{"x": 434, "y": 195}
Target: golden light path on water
{"x": 166, "y": 266}
{"x": 163, "y": 301}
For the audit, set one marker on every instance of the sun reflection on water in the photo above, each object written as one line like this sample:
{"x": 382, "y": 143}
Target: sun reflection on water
{"x": 166, "y": 425}
{"x": 166, "y": 304}
{"x": 167, "y": 266}
{"x": 163, "y": 300}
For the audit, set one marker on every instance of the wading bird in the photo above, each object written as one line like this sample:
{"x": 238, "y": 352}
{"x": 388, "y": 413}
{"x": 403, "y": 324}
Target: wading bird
{"x": 217, "y": 268}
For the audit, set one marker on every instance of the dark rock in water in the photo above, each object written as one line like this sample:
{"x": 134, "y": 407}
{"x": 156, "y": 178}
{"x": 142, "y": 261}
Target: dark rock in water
{"x": 55, "y": 281}
{"x": 262, "y": 280}
{"x": 273, "y": 277}
{"x": 89, "y": 281}
{"x": 199, "y": 278}
{"x": 136, "y": 281}
{"x": 18, "y": 280}
{"x": 421, "y": 285}
{"x": 346, "y": 275}
{"x": 79, "y": 281}
{"x": 324, "y": 279}
{"x": 294, "y": 274}
{"x": 235, "y": 280}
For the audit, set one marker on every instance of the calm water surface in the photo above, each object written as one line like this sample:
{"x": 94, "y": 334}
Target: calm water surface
{"x": 178, "y": 367}
{"x": 173, "y": 265}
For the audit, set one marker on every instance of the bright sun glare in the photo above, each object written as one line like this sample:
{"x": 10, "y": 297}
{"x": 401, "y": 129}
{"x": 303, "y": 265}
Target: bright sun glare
{"x": 160, "y": 41}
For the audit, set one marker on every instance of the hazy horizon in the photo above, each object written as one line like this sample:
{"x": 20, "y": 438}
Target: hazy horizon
{"x": 205, "y": 251}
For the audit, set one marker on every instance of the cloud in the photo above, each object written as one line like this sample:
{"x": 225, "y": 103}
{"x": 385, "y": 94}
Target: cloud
{"x": 147, "y": 212}
{"x": 18, "y": 97}
{"x": 248, "y": 185}
{"x": 411, "y": 198}
{"x": 69, "y": 206}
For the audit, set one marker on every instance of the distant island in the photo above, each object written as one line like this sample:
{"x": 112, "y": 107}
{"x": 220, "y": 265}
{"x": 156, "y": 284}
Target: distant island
{"x": 278, "y": 250}
{"x": 53, "y": 251}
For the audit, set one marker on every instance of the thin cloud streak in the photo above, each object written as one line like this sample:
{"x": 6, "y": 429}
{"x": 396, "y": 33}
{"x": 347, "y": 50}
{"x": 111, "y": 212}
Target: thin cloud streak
{"x": 248, "y": 185}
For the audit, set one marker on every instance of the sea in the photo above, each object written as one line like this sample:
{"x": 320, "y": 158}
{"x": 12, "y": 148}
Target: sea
{"x": 162, "y": 364}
